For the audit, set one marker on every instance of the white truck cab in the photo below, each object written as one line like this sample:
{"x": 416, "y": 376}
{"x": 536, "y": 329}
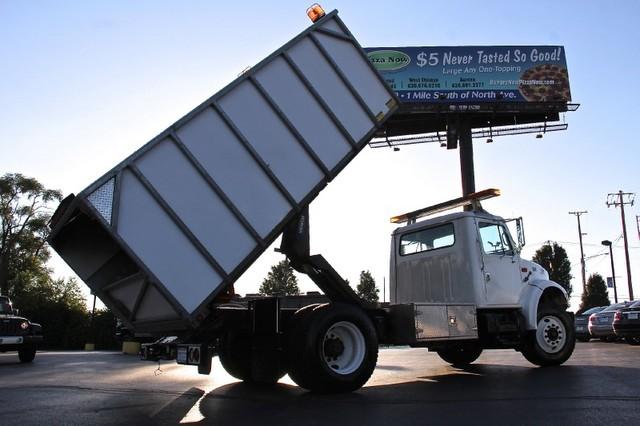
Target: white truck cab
{"x": 465, "y": 257}
{"x": 463, "y": 274}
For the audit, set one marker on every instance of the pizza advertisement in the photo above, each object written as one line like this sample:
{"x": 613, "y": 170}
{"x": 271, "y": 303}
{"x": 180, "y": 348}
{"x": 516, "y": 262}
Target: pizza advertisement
{"x": 474, "y": 74}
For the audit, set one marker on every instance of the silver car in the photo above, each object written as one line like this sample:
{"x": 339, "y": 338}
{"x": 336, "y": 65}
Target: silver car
{"x": 601, "y": 323}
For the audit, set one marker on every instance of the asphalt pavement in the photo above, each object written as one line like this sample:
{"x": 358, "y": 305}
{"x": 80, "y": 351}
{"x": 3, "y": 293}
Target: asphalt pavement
{"x": 599, "y": 385}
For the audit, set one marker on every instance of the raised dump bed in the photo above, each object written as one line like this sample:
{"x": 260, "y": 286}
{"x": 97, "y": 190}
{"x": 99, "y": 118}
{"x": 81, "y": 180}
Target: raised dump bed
{"x": 159, "y": 236}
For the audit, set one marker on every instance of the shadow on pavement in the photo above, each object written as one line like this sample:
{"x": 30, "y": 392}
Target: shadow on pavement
{"x": 480, "y": 394}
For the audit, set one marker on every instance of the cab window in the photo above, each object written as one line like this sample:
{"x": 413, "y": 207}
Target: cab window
{"x": 5, "y": 306}
{"x": 495, "y": 239}
{"x": 427, "y": 239}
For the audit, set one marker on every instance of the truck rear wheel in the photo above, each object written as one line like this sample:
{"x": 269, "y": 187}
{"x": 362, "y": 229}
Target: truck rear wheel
{"x": 333, "y": 348}
{"x": 553, "y": 341}
{"x": 461, "y": 355}
{"x": 234, "y": 350}
{"x": 241, "y": 360}
{"x": 26, "y": 355}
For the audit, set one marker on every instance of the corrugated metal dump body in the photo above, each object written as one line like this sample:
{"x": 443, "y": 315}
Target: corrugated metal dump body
{"x": 160, "y": 235}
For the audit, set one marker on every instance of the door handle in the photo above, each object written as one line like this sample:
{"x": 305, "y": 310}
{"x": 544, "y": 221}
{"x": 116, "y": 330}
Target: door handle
{"x": 487, "y": 277}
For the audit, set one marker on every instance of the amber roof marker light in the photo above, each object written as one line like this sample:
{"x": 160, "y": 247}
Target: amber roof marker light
{"x": 315, "y": 12}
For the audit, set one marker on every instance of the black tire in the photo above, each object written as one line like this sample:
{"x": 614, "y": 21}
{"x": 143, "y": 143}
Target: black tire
{"x": 332, "y": 348}
{"x": 554, "y": 340}
{"x": 26, "y": 355}
{"x": 234, "y": 351}
{"x": 635, "y": 340}
{"x": 243, "y": 361}
{"x": 460, "y": 355}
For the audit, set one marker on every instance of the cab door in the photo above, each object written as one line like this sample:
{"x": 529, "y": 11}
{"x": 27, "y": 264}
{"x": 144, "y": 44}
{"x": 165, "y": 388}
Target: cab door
{"x": 500, "y": 264}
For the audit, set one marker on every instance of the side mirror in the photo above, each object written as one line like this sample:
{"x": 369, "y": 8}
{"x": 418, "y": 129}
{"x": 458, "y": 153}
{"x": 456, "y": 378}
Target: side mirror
{"x": 520, "y": 231}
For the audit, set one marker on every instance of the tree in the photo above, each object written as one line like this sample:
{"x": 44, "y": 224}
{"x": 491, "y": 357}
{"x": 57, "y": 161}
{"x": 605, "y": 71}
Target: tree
{"x": 554, "y": 259}
{"x": 57, "y": 304}
{"x": 367, "y": 287}
{"x": 24, "y": 215}
{"x": 595, "y": 294}
{"x": 280, "y": 281}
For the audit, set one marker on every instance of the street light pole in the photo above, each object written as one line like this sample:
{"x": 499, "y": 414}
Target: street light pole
{"x": 613, "y": 269}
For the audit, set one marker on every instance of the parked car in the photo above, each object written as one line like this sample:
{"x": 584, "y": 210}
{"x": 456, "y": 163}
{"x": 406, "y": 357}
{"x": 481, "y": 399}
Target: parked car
{"x": 582, "y": 323}
{"x": 18, "y": 333}
{"x": 601, "y": 323}
{"x": 626, "y": 323}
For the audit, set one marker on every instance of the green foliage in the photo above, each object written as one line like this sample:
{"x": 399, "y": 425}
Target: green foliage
{"x": 57, "y": 304}
{"x": 280, "y": 281}
{"x": 596, "y": 294}
{"x": 24, "y": 214}
{"x": 103, "y": 332}
{"x": 366, "y": 288}
{"x": 553, "y": 257}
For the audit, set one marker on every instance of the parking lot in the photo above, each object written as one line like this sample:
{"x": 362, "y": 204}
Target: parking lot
{"x": 599, "y": 385}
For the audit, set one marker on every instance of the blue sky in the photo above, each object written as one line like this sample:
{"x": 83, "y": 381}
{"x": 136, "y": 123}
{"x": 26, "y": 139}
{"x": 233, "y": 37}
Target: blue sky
{"x": 84, "y": 84}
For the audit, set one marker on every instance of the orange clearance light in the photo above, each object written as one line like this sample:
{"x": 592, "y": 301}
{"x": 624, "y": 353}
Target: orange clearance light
{"x": 315, "y": 12}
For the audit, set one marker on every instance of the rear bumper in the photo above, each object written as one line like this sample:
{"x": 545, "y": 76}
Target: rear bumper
{"x": 582, "y": 330}
{"x": 627, "y": 330}
{"x": 601, "y": 331}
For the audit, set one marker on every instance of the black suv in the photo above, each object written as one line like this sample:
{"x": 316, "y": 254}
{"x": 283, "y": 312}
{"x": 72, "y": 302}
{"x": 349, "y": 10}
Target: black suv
{"x": 18, "y": 333}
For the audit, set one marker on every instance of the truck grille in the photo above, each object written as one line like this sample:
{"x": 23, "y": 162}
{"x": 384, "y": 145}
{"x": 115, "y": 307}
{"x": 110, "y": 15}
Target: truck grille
{"x": 10, "y": 328}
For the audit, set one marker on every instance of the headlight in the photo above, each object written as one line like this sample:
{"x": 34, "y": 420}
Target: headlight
{"x": 24, "y": 325}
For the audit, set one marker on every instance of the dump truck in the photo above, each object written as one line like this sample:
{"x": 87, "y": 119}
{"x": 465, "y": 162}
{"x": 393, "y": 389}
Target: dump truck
{"x": 162, "y": 237}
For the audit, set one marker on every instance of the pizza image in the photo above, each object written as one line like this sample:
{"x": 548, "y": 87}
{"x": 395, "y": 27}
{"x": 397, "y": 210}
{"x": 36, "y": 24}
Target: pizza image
{"x": 545, "y": 83}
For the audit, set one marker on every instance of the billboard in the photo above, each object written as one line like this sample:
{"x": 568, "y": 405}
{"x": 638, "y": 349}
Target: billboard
{"x": 474, "y": 74}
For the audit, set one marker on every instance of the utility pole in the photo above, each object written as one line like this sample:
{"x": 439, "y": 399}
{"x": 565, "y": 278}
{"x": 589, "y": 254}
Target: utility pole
{"x": 620, "y": 199}
{"x": 580, "y": 234}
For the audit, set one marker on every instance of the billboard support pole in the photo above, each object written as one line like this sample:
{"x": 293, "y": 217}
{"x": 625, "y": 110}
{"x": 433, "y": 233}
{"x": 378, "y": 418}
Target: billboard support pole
{"x": 467, "y": 173}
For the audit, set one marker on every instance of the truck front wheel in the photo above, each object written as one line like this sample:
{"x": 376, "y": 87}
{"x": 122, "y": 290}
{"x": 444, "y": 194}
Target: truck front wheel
{"x": 27, "y": 354}
{"x": 460, "y": 355}
{"x": 553, "y": 341}
{"x": 332, "y": 349}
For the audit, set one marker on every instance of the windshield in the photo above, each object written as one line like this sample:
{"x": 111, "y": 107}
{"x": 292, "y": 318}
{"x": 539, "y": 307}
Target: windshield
{"x": 635, "y": 304}
{"x": 5, "y": 307}
{"x": 615, "y": 307}
{"x": 593, "y": 310}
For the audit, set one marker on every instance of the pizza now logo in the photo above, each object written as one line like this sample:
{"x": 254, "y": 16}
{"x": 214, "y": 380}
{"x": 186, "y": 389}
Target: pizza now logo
{"x": 389, "y": 60}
